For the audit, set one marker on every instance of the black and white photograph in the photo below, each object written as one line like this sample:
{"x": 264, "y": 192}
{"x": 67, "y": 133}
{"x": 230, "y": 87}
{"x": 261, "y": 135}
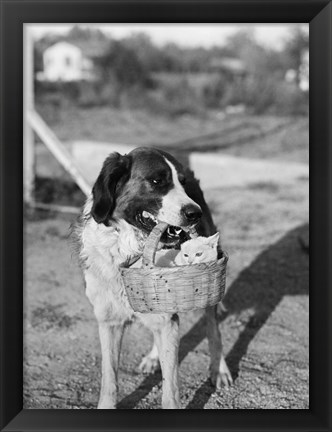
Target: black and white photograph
{"x": 166, "y": 216}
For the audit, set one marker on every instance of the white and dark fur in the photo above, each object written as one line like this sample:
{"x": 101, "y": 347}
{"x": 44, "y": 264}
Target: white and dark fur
{"x": 131, "y": 194}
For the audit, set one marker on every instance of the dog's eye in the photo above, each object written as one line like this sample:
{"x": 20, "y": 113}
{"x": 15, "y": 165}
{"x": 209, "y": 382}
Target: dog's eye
{"x": 186, "y": 255}
{"x": 199, "y": 253}
{"x": 156, "y": 181}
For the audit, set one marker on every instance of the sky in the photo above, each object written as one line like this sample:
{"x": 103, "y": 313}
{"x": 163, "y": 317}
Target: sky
{"x": 188, "y": 35}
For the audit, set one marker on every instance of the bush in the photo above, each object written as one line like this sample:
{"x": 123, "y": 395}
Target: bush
{"x": 58, "y": 91}
{"x": 181, "y": 98}
{"x": 266, "y": 94}
{"x": 290, "y": 100}
{"x": 214, "y": 93}
{"x": 178, "y": 96}
{"x": 171, "y": 99}
{"x": 257, "y": 93}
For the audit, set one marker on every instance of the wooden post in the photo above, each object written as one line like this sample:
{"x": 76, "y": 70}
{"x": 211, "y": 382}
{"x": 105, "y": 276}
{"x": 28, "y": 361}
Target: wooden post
{"x": 33, "y": 123}
{"x": 28, "y": 105}
{"x": 58, "y": 150}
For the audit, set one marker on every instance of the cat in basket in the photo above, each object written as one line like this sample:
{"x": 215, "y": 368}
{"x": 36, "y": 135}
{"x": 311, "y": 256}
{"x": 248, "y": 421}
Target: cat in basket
{"x": 194, "y": 251}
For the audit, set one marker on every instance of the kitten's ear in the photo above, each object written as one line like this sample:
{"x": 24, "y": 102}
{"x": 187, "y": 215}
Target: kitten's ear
{"x": 213, "y": 240}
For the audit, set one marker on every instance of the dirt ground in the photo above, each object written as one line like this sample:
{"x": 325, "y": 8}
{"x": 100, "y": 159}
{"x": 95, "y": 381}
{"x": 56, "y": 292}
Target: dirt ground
{"x": 265, "y": 332}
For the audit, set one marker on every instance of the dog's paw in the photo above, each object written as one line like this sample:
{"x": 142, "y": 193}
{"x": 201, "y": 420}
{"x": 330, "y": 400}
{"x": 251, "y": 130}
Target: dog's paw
{"x": 106, "y": 403}
{"x": 221, "y": 309}
{"x": 149, "y": 364}
{"x": 221, "y": 378}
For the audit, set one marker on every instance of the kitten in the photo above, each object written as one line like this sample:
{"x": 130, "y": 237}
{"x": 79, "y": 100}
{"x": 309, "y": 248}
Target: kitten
{"x": 194, "y": 251}
{"x": 198, "y": 250}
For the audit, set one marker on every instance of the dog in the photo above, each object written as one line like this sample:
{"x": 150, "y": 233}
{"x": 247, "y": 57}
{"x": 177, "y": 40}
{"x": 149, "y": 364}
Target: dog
{"x": 131, "y": 194}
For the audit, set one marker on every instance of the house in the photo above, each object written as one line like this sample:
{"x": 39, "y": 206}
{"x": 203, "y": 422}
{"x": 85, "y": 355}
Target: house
{"x": 64, "y": 61}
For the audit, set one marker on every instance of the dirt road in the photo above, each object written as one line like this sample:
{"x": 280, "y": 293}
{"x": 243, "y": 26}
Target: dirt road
{"x": 265, "y": 332}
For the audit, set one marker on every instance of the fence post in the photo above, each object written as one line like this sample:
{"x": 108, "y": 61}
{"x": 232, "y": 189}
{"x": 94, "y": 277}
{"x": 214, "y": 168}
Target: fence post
{"x": 28, "y": 105}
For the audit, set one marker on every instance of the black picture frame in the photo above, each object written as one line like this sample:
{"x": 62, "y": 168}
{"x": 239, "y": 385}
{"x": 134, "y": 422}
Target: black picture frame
{"x": 13, "y": 15}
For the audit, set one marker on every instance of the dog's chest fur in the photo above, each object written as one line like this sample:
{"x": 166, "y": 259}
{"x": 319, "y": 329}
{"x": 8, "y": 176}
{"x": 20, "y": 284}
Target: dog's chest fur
{"x": 103, "y": 250}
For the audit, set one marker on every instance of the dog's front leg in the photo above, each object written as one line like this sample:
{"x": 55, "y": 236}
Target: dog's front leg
{"x": 110, "y": 340}
{"x": 219, "y": 372}
{"x": 167, "y": 342}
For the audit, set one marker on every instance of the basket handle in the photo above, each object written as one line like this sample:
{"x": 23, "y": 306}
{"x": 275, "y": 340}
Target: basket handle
{"x": 151, "y": 244}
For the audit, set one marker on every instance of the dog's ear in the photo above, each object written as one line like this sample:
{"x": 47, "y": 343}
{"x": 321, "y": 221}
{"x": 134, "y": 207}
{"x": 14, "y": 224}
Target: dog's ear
{"x": 114, "y": 173}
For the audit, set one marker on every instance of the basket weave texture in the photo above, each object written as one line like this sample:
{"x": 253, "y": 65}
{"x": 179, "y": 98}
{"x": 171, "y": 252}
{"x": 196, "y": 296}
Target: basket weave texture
{"x": 153, "y": 289}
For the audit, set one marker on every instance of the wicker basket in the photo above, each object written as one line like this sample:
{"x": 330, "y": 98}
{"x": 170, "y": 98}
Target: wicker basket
{"x": 155, "y": 289}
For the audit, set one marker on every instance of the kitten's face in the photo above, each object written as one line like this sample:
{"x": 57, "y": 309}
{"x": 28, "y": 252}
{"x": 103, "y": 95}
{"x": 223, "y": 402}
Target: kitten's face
{"x": 198, "y": 250}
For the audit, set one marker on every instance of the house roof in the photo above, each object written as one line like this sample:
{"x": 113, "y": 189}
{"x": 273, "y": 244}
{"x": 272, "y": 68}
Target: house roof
{"x": 89, "y": 48}
{"x": 92, "y": 48}
{"x": 62, "y": 45}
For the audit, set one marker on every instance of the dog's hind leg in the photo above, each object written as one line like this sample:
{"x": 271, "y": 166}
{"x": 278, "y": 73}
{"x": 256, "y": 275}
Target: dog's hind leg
{"x": 110, "y": 340}
{"x": 219, "y": 372}
{"x": 150, "y": 363}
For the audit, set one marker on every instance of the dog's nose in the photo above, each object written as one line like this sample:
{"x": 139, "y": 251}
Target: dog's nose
{"x": 192, "y": 213}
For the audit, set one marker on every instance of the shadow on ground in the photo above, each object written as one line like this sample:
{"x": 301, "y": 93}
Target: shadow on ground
{"x": 280, "y": 270}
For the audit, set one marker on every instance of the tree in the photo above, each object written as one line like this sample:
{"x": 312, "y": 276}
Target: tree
{"x": 122, "y": 64}
{"x": 295, "y": 47}
{"x": 80, "y": 34}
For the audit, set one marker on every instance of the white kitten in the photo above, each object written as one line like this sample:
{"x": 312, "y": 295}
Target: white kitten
{"x": 194, "y": 251}
{"x": 198, "y": 250}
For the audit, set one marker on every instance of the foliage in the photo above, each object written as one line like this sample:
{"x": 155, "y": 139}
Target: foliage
{"x": 120, "y": 63}
{"x": 297, "y": 43}
{"x": 134, "y": 72}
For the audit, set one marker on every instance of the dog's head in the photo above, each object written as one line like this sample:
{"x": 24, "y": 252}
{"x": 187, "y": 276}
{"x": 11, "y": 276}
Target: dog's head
{"x": 144, "y": 187}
